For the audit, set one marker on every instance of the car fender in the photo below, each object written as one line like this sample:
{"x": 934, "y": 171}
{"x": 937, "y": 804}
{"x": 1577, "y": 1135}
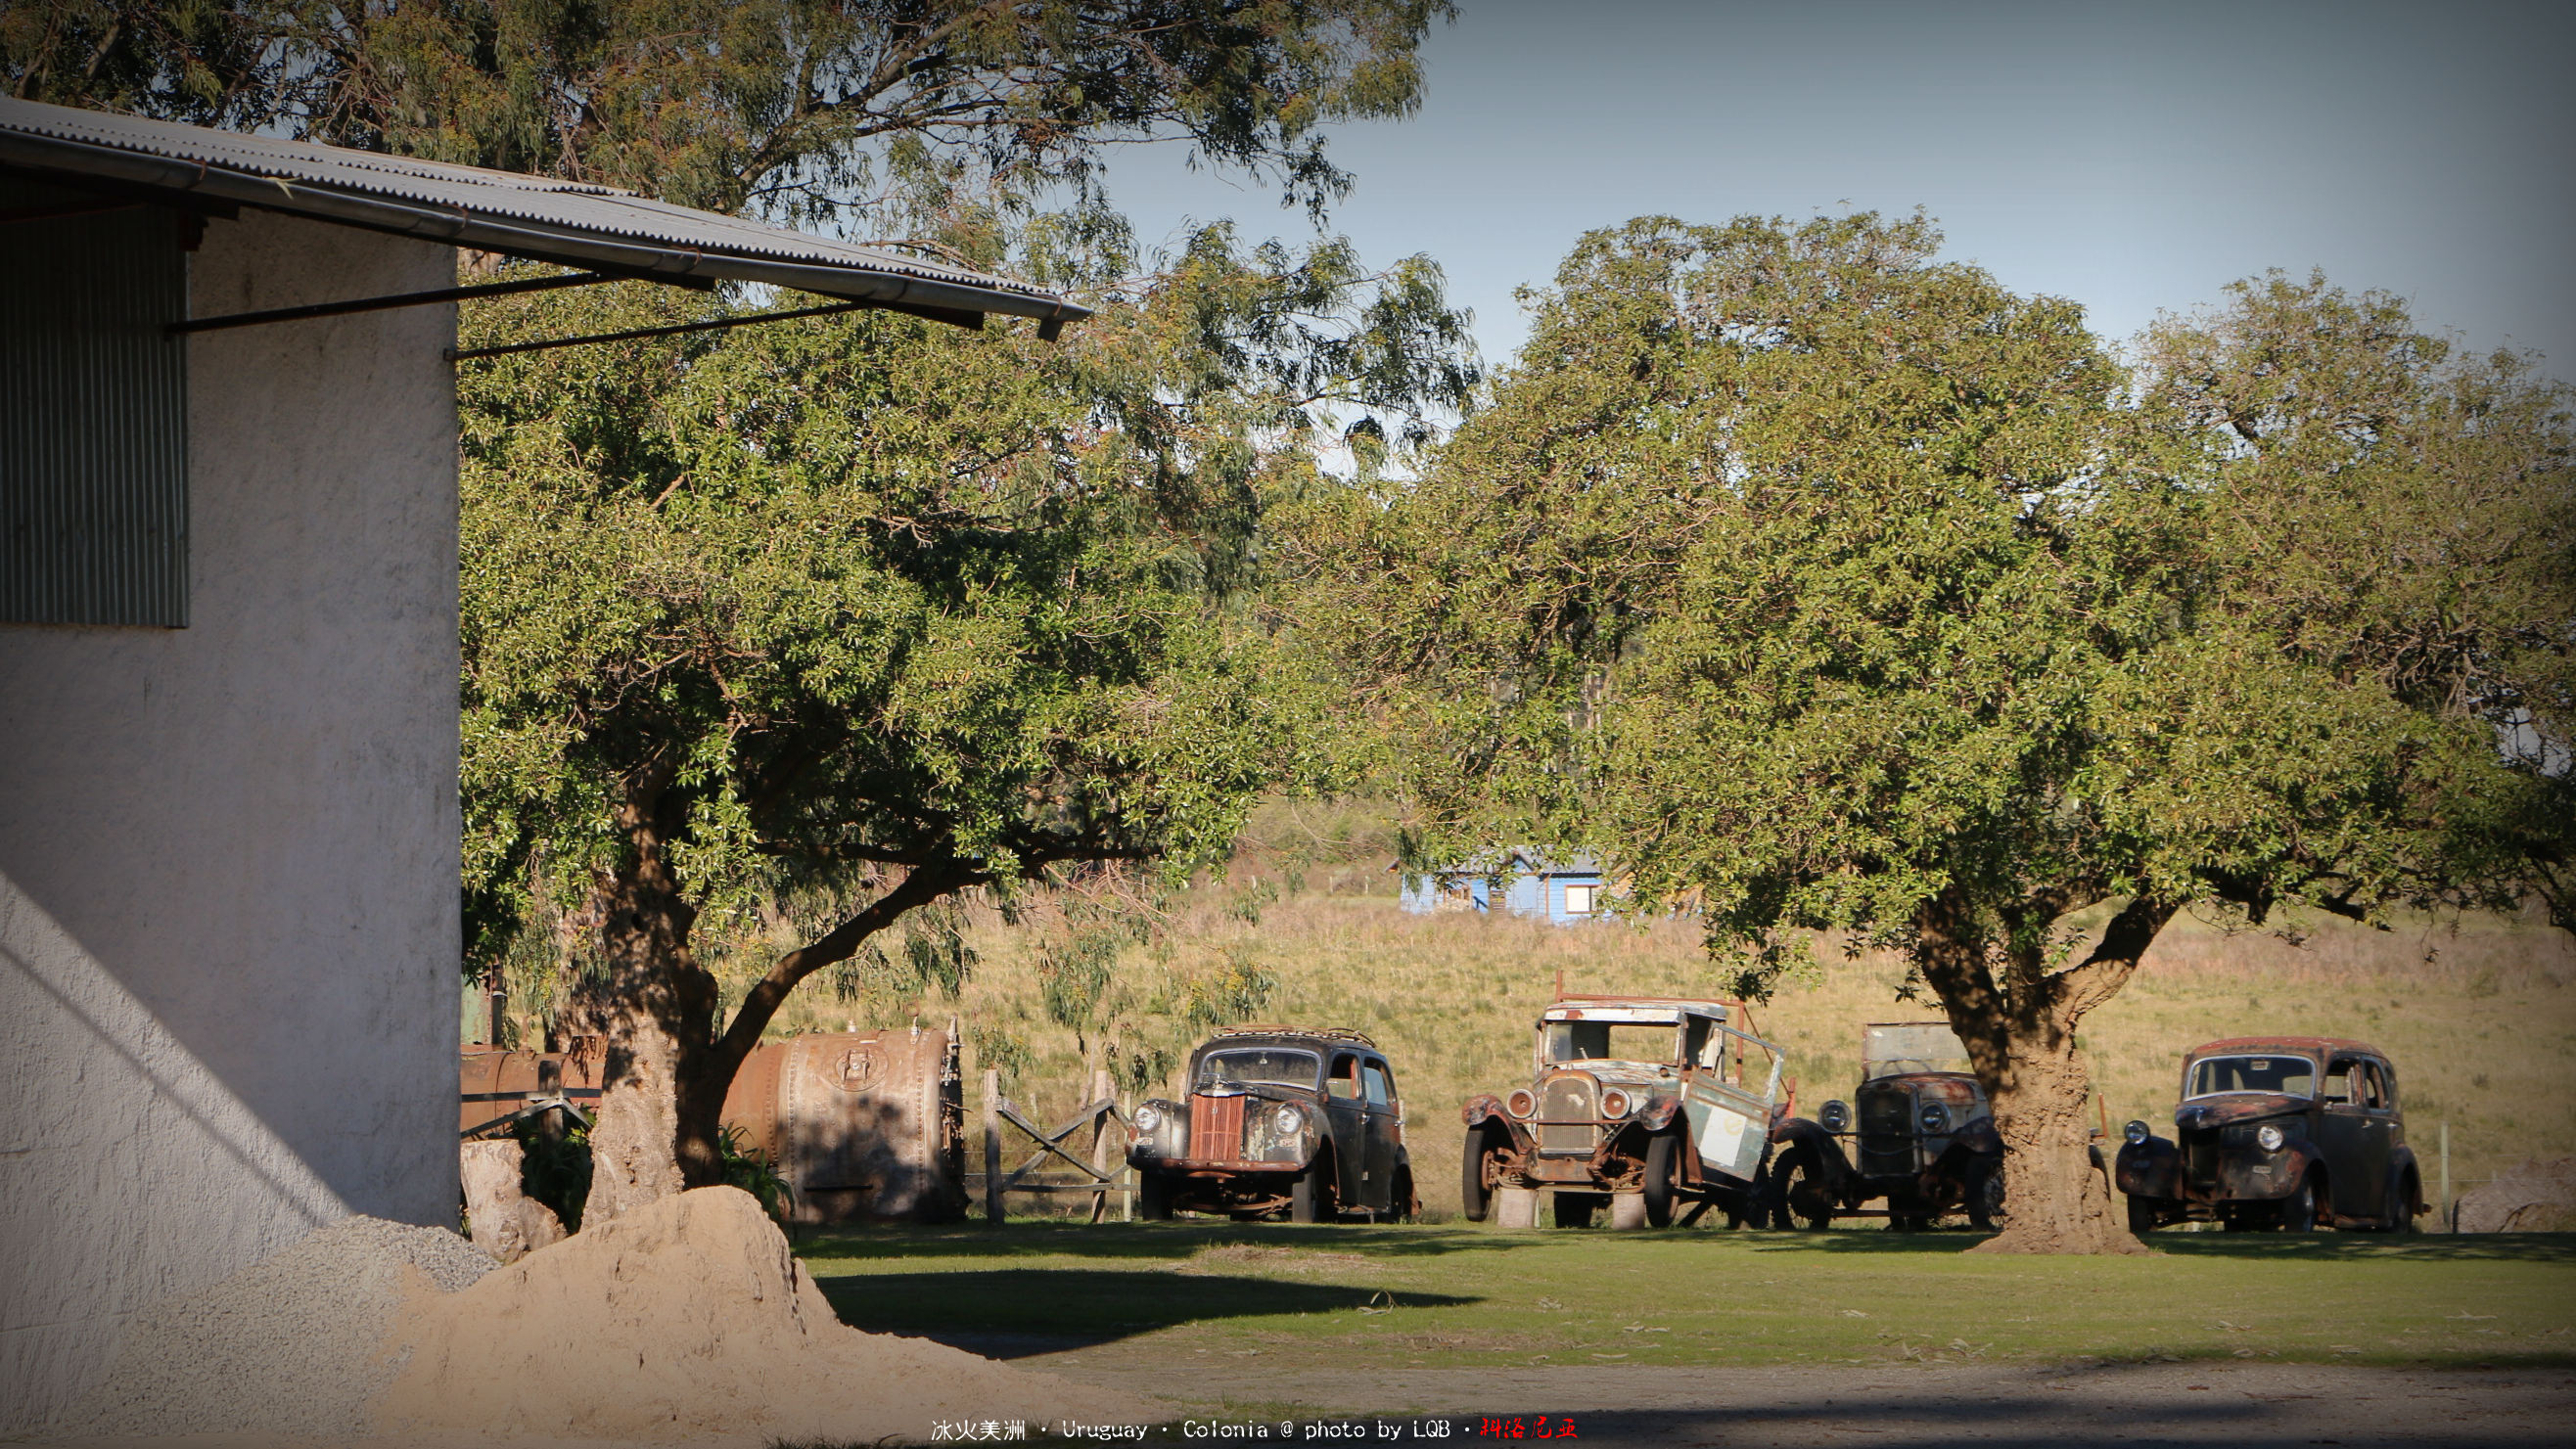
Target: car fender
{"x": 2401, "y": 1165}
{"x": 2152, "y": 1168}
{"x": 1488, "y": 1111}
{"x": 2297, "y": 1157}
{"x": 1979, "y": 1137}
{"x": 1828, "y": 1150}
{"x": 1660, "y": 1113}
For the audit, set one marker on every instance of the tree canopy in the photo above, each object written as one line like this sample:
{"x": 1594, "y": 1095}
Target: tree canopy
{"x": 1822, "y": 585}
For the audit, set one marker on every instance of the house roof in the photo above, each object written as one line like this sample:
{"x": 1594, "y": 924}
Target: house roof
{"x": 570, "y": 223}
{"x": 1511, "y": 862}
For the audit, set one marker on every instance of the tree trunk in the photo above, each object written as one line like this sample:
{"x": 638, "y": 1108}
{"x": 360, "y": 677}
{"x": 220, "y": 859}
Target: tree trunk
{"x": 656, "y": 1007}
{"x": 667, "y": 1069}
{"x": 2020, "y": 1035}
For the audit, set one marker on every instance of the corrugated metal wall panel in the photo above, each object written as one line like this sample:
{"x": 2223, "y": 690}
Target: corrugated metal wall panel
{"x": 93, "y": 414}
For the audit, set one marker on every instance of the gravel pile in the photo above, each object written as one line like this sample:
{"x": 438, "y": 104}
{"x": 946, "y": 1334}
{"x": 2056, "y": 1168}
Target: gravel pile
{"x": 292, "y": 1345}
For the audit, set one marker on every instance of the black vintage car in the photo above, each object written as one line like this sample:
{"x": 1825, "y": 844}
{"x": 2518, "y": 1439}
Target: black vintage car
{"x": 1279, "y": 1119}
{"x": 1921, "y": 1133}
{"x": 2277, "y": 1132}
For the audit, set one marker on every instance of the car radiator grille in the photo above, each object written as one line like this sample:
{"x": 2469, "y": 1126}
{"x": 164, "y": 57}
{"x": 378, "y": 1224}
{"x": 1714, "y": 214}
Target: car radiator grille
{"x": 2200, "y": 1157}
{"x": 1567, "y": 1116}
{"x": 1886, "y": 1133}
{"x": 1216, "y": 1128}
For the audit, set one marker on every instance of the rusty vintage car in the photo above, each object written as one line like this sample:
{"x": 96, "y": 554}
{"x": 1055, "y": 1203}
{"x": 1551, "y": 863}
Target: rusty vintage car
{"x": 1642, "y": 1104}
{"x": 1305, "y": 1121}
{"x": 1921, "y": 1137}
{"x": 2277, "y": 1132}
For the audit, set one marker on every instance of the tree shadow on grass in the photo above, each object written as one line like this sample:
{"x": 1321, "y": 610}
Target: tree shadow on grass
{"x": 1013, "y": 1312}
{"x": 2264, "y": 1247}
{"x": 1134, "y": 1241}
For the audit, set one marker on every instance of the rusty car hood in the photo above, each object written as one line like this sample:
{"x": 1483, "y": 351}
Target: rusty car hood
{"x": 2237, "y": 1107}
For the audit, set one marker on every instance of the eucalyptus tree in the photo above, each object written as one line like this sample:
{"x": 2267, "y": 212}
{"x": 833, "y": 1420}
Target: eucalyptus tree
{"x": 1821, "y": 585}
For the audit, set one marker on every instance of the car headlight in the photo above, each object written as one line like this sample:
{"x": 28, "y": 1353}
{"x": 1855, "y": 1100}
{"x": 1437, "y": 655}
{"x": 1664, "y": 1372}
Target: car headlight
{"x": 2134, "y": 1133}
{"x": 1149, "y": 1120}
{"x": 1521, "y": 1105}
{"x": 1614, "y": 1103}
{"x": 2268, "y": 1137}
{"x": 1288, "y": 1119}
{"x": 1935, "y": 1119}
{"x": 1836, "y": 1116}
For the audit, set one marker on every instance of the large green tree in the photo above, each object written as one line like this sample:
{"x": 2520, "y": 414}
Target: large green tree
{"x": 1821, "y": 585}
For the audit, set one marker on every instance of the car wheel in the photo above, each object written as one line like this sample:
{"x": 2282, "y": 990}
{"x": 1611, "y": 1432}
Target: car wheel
{"x": 1986, "y": 1195}
{"x": 1574, "y": 1209}
{"x": 2142, "y": 1216}
{"x": 1480, "y": 1172}
{"x": 1401, "y": 1207}
{"x": 1662, "y": 1165}
{"x": 2299, "y": 1209}
{"x": 1310, "y": 1200}
{"x": 2400, "y": 1217}
{"x": 1153, "y": 1197}
{"x": 1801, "y": 1195}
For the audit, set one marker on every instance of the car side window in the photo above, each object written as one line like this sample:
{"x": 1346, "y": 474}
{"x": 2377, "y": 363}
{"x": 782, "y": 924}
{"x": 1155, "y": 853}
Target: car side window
{"x": 2386, "y": 1077}
{"x": 2338, "y": 1090}
{"x": 2374, "y": 1087}
{"x": 1381, "y": 1093}
{"x": 1345, "y": 1080}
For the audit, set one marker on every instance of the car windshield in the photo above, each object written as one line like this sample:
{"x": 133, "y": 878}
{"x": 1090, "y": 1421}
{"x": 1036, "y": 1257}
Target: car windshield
{"x": 1276, "y": 1066}
{"x": 2293, "y": 1076}
{"x": 1893, "y": 1049}
{"x": 1612, "y": 1041}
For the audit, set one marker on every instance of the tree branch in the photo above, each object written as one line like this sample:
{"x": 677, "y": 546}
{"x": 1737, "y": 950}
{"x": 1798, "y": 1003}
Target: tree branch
{"x": 920, "y": 887}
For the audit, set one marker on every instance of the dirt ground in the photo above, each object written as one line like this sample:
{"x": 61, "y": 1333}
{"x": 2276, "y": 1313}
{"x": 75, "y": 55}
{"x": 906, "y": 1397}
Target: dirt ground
{"x": 2244, "y": 1406}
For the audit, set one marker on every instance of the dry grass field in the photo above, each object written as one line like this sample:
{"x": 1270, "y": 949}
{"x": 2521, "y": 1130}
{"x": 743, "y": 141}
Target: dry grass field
{"x": 2481, "y": 1020}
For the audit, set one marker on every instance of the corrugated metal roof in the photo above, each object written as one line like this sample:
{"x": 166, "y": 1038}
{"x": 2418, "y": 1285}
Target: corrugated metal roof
{"x": 468, "y": 206}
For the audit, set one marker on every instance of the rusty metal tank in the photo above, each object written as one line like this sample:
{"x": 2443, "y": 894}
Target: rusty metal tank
{"x": 866, "y": 1124}
{"x": 862, "y": 1125}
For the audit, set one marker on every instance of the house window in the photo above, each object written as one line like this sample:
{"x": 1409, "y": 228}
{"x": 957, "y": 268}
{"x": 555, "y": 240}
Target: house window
{"x": 93, "y": 410}
{"x": 1579, "y": 899}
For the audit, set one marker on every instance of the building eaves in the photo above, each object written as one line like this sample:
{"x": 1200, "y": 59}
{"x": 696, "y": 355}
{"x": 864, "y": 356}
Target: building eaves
{"x": 540, "y": 218}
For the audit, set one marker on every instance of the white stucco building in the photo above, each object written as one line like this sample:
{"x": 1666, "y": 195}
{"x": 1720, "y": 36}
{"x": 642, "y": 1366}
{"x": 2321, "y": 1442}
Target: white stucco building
{"x": 229, "y": 939}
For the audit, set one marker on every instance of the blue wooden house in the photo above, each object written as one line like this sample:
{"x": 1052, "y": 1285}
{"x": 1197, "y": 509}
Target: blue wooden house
{"x": 1519, "y": 881}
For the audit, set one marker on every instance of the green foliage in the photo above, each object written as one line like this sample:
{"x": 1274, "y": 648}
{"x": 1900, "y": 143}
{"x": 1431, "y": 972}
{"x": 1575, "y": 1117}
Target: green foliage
{"x": 755, "y": 1173}
{"x": 996, "y": 1049}
{"x": 801, "y": 107}
{"x": 554, "y": 1166}
{"x": 1820, "y": 583}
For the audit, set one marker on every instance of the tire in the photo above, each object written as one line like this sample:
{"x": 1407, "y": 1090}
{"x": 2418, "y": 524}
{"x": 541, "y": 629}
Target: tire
{"x": 2401, "y": 1203}
{"x": 1662, "y": 1166}
{"x": 1401, "y": 1208}
{"x": 2299, "y": 1210}
{"x": 1799, "y": 1175}
{"x": 1574, "y": 1209}
{"x": 1907, "y": 1222}
{"x": 1153, "y": 1197}
{"x": 1985, "y": 1189}
{"x": 1311, "y": 1199}
{"x": 1475, "y": 1174}
{"x": 2142, "y": 1216}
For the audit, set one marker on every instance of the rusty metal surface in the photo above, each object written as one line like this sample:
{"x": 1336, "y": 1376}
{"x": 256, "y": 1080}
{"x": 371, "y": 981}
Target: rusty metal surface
{"x": 861, "y": 1124}
{"x": 1216, "y": 1128}
{"x": 2287, "y": 1045}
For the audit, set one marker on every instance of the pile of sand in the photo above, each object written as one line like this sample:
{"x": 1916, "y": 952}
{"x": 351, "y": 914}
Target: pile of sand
{"x": 2528, "y": 1197}
{"x": 690, "y": 1318}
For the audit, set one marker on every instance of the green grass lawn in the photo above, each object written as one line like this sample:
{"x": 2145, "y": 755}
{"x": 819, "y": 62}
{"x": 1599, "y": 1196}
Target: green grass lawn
{"x": 1460, "y": 1296}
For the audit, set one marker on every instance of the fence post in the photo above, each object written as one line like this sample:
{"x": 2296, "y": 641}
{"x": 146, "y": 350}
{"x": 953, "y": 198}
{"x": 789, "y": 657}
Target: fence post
{"x": 1100, "y": 1090}
{"x": 992, "y": 1147}
{"x": 2450, "y": 1222}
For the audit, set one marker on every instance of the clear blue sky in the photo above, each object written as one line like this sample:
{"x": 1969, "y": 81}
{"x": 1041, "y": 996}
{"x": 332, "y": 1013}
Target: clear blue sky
{"x": 2133, "y": 157}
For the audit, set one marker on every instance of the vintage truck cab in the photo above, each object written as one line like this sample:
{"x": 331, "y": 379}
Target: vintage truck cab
{"x": 1634, "y": 1102}
{"x": 2277, "y": 1132}
{"x": 1300, "y": 1120}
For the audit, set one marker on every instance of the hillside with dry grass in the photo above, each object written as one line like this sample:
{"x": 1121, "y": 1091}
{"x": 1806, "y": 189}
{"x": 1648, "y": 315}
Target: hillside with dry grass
{"x": 2480, "y": 1019}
